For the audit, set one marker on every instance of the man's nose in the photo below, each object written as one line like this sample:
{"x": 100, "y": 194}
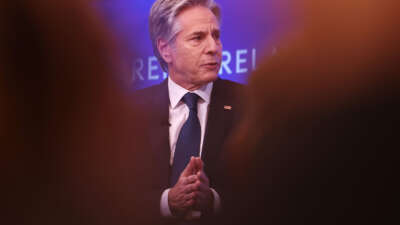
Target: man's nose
{"x": 213, "y": 45}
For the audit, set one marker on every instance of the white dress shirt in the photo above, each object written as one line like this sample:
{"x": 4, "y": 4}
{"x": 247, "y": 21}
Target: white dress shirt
{"x": 178, "y": 114}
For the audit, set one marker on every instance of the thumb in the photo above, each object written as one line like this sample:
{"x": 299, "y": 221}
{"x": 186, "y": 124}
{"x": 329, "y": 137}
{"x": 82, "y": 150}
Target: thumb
{"x": 199, "y": 164}
{"x": 190, "y": 168}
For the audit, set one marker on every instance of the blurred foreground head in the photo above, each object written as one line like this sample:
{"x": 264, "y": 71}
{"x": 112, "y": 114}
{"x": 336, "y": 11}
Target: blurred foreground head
{"x": 68, "y": 132}
{"x": 319, "y": 140}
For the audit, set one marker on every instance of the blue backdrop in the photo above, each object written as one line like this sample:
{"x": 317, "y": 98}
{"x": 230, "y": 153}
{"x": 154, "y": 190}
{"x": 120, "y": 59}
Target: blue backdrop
{"x": 248, "y": 31}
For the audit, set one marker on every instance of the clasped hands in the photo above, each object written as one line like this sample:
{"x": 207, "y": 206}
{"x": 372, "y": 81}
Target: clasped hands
{"x": 191, "y": 191}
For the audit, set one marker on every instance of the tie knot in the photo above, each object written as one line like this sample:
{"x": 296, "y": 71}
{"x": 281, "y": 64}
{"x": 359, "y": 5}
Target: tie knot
{"x": 190, "y": 99}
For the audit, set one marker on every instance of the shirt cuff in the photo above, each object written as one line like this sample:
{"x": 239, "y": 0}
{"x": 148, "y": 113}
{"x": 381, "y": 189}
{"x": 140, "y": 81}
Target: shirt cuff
{"x": 164, "y": 206}
{"x": 217, "y": 201}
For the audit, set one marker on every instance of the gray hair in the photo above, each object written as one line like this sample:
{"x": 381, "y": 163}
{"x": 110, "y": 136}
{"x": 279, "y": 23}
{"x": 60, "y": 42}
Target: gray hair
{"x": 162, "y": 20}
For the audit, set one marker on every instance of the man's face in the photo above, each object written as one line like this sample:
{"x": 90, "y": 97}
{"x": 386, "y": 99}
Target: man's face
{"x": 195, "y": 54}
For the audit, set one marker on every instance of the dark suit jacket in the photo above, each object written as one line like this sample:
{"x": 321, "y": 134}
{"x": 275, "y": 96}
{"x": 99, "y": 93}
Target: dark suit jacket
{"x": 155, "y": 102}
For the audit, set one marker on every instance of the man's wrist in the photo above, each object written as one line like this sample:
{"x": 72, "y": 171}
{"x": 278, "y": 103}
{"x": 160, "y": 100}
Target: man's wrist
{"x": 174, "y": 209}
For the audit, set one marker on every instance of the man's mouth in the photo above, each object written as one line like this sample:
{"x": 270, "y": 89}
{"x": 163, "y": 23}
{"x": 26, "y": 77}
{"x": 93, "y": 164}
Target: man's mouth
{"x": 211, "y": 65}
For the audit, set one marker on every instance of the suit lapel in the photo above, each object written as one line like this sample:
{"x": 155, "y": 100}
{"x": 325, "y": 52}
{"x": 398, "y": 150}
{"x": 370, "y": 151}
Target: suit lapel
{"x": 218, "y": 119}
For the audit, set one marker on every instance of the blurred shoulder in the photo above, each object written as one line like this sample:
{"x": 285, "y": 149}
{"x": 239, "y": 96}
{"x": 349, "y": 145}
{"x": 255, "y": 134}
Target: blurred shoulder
{"x": 147, "y": 91}
{"x": 150, "y": 94}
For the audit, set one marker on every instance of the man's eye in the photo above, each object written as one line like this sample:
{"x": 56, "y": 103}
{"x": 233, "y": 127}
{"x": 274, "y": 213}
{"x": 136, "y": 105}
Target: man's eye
{"x": 196, "y": 38}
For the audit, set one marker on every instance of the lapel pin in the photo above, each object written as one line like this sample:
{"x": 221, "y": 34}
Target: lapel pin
{"x": 227, "y": 107}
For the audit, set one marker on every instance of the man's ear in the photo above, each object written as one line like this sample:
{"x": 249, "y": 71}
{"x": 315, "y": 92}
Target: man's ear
{"x": 165, "y": 50}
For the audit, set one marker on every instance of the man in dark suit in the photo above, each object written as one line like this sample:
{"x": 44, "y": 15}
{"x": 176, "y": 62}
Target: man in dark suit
{"x": 191, "y": 113}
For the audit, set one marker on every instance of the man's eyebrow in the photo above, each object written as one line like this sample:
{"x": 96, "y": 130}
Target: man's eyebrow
{"x": 196, "y": 33}
{"x": 202, "y": 32}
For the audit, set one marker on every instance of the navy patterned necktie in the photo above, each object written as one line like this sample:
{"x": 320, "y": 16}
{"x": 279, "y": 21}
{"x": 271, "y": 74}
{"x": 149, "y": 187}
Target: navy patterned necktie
{"x": 188, "y": 143}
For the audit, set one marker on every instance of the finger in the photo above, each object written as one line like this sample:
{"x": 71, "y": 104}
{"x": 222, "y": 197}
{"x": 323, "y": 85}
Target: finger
{"x": 188, "y": 203}
{"x": 198, "y": 195}
{"x": 189, "y": 180}
{"x": 201, "y": 175}
{"x": 190, "y": 168}
{"x": 197, "y": 186}
{"x": 203, "y": 188}
{"x": 190, "y": 196}
{"x": 190, "y": 188}
{"x": 199, "y": 164}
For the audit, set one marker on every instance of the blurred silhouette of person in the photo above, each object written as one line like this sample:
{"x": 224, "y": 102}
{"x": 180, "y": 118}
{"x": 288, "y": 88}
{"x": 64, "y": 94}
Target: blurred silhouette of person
{"x": 69, "y": 134}
{"x": 321, "y": 131}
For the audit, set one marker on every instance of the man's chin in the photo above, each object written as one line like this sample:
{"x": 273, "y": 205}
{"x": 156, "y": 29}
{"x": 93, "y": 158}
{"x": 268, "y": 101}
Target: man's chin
{"x": 206, "y": 78}
{"x": 211, "y": 77}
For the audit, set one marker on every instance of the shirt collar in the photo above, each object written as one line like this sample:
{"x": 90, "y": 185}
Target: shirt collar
{"x": 176, "y": 92}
